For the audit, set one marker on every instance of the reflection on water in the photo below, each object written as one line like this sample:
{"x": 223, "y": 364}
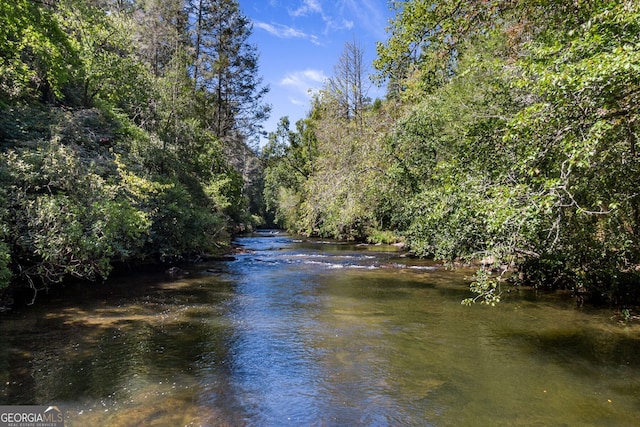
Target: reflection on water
{"x": 302, "y": 332}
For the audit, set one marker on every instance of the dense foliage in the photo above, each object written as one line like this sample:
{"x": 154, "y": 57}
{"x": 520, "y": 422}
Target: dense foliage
{"x": 115, "y": 127}
{"x": 509, "y": 135}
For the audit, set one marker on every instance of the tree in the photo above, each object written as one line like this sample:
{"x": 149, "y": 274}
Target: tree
{"x": 348, "y": 84}
{"x": 548, "y": 203}
{"x": 35, "y": 53}
{"x": 426, "y": 37}
{"x": 581, "y": 148}
{"x": 289, "y": 158}
{"x": 225, "y": 68}
{"x": 135, "y": 170}
{"x": 161, "y": 32}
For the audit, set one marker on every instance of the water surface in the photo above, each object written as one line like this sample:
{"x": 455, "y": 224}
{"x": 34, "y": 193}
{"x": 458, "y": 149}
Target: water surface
{"x": 311, "y": 332}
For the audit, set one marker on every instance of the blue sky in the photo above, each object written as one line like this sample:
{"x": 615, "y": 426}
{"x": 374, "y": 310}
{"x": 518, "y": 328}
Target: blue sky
{"x": 300, "y": 41}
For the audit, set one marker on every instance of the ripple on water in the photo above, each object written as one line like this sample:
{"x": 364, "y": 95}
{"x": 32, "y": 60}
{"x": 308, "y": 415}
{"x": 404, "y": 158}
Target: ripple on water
{"x": 301, "y": 332}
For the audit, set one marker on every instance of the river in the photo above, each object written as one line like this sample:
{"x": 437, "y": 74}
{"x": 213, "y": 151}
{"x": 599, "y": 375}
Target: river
{"x": 300, "y": 332}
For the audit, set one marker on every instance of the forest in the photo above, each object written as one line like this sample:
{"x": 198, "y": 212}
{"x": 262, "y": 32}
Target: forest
{"x": 126, "y": 134}
{"x": 506, "y": 139}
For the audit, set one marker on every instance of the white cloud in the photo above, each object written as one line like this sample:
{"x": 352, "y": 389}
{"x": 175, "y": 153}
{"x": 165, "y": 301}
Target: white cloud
{"x": 296, "y": 101}
{"x": 307, "y": 81}
{"x": 334, "y": 25}
{"x": 370, "y": 15}
{"x": 333, "y": 19}
{"x": 307, "y": 8}
{"x": 285, "y": 32}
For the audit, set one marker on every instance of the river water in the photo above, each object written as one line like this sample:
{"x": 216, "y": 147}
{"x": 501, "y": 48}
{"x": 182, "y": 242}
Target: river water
{"x": 299, "y": 332}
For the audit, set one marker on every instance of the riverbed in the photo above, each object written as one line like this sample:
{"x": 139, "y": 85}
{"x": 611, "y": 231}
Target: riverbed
{"x": 299, "y": 332}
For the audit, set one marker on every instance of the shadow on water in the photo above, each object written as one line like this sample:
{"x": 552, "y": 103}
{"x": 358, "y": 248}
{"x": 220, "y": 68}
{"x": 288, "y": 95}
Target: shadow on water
{"x": 128, "y": 353}
{"x": 580, "y": 348}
